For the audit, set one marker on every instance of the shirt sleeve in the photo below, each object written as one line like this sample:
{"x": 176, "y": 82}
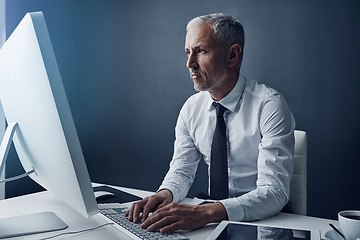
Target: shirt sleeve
{"x": 275, "y": 165}
{"x": 185, "y": 160}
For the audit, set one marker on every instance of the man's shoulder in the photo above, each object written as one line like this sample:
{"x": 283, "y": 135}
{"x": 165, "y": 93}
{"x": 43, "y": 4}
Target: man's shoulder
{"x": 197, "y": 98}
{"x": 260, "y": 90}
{"x": 195, "y": 104}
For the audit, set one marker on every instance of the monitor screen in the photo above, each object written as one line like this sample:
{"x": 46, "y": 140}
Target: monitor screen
{"x": 33, "y": 96}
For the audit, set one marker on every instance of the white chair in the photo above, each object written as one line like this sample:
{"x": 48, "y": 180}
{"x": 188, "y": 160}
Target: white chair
{"x": 298, "y": 189}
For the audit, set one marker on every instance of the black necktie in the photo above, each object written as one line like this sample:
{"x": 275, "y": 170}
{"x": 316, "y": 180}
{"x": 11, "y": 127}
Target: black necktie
{"x": 219, "y": 188}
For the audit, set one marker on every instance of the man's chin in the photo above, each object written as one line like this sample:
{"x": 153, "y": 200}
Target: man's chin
{"x": 200, "y": 87}
{"x": 196, "y": 89}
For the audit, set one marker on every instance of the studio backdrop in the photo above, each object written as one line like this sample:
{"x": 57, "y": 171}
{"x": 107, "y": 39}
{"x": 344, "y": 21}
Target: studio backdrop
{"x": 123, "y": 68}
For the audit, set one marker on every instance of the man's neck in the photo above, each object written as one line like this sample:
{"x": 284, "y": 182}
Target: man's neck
{"x": 218, "y": 94}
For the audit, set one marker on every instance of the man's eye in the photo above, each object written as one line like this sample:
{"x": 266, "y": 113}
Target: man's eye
{"x": 201, "y": 51}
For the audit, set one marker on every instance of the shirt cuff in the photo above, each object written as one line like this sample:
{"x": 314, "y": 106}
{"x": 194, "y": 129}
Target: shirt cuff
{"x": 234, "y": 209}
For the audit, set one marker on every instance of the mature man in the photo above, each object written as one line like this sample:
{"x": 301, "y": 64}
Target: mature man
{"x": 243, "y": 131}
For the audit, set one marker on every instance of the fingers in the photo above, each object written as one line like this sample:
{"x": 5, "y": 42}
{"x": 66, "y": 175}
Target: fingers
{"x": 156, "y": 201}
{"x": 138, "y": 208}
{"x": 165, "y": 224}
{"x": 158, "y": 221}
{"x": 146, "y": 206}
{"x": 163, "y": 204}
{"x": 134, "y": 212}
{"x": 150, "y": 206}
{"x": 175, "y": 216}
{"x": 171, "y": 228}
{"x": 163, "y": 219}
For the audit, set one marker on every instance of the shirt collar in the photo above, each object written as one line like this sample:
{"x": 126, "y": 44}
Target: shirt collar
{"x": 232, "y": 98}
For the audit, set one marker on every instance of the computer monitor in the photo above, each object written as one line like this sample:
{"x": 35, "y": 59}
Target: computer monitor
{"x": 35, "y": 104}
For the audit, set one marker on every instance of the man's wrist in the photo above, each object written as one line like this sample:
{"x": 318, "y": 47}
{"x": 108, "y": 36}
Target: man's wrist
{"x": 166, "y": 193}
{"x": 216, "y": 212}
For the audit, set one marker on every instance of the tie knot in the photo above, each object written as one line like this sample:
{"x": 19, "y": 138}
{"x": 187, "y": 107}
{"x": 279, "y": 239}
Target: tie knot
{"x": 220, "y": 109}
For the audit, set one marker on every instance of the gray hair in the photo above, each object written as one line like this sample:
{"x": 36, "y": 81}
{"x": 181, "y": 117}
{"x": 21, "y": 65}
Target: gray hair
{"x": 227, "y": 30}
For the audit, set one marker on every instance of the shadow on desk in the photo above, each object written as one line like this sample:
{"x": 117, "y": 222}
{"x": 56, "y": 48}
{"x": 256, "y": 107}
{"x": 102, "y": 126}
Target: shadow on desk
{"x": 118, "y": 197}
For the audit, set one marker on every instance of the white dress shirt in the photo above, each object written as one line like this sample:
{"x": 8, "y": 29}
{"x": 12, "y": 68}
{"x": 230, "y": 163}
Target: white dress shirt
{"x": 260, "y": 135}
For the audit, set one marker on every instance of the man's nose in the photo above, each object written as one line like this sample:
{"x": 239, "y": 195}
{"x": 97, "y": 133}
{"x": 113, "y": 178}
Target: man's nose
{"x": 192, "y": 61}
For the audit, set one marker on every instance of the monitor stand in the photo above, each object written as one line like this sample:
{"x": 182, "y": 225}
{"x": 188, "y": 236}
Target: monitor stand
{"x": 25, "y": 224}
{"x": 4, "y": 150}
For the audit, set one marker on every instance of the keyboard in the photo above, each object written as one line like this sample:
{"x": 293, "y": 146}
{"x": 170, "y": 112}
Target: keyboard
{"x": 116, "y": 211}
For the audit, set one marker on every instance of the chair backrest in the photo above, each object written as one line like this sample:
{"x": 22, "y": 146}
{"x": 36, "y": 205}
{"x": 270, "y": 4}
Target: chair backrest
{"x": 298, "y": 196}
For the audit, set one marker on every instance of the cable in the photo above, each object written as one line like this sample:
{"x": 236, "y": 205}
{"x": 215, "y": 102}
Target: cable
{"x": 17, "y": 177}
{"x": 76, "y": 232}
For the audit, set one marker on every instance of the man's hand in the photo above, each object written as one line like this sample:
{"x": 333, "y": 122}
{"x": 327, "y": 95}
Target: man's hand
{"x": 177, "y": 216}
{"x": 148, "y": 205}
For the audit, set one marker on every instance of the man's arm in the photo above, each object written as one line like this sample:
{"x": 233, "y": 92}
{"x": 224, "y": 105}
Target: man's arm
{"x": 275, "y": 165}
{"x": 185, "y": 160}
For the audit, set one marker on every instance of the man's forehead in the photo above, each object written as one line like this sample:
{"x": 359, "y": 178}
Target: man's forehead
{"x": 200, "y": 33}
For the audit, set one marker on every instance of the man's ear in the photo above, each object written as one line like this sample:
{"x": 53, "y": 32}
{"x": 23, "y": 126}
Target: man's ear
{"x": 233, "y": 55}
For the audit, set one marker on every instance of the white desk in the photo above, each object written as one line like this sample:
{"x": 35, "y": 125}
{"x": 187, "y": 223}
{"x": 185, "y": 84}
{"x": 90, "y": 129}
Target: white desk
{"x": 44, "y": 201}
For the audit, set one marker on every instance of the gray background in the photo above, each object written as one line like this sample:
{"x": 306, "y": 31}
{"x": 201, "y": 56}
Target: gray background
{"x": 123, "y": 68}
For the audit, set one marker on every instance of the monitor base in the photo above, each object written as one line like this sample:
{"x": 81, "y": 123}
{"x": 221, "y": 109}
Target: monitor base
{"x": 30, "y": 224}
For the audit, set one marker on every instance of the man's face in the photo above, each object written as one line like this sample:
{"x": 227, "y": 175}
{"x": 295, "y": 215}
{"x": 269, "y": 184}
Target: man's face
{"x": 206, "y": 58}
